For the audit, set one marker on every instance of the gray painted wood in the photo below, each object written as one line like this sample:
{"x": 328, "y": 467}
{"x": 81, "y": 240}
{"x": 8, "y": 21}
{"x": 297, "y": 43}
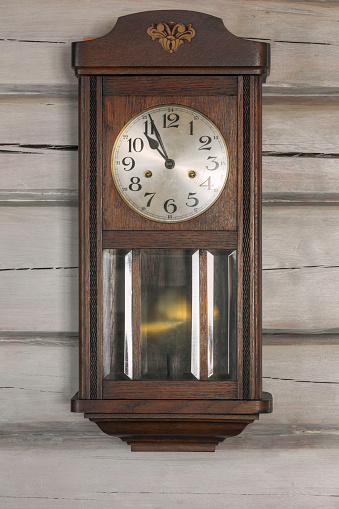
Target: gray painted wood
{"x": 300, "y": 277}
{"x": 40, "y": 237}
{"x": 301, "y": 298}
{"x": 308, "y": 68}
{"x": 278, "y": 19}
{"x": 289, "y": 124}
{"x": 306, "y": 175}
{"x": 39, "y": 300}
{"x": 281, "y": 20}
{"x": 25, "y": 169}
{"x": 293, "y": 237}
{"x": 301, "y": 54}
{"x": 44, "y": 447}
{"x": 39, "y": 376}
{"x": 54, "y": 470}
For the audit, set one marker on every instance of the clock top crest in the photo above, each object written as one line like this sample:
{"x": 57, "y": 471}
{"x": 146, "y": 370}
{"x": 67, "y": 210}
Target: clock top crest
{"x": 188, "y": 42}
{"x": 170, "y": 230}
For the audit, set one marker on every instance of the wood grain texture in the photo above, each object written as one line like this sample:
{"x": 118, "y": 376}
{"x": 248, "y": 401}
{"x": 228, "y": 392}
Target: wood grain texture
{"x": 289, "y": 124}
{"x": 117, "y": 215}
{"x": 52, "y": 173}
{"x": 47, "y": 37}
{"x": 305, "y": 175}
{"x": 39, "y": 376}
{"x": 220, "y": 54}
{"x": 300, "y": 125}
{"x": 24, "y": 169}
{"x": 297, "y": 264}
{"x": 292, "y": 237}
{"x": 296, "y": 237}
{"x": 278, "y": 19}
{"x": 304, "y": 68}
{"x": 291, "y": 298}
{"x": 270, "y": 476}
{"x": 42, "y": 456}
{"x": 39, "y": 237}
{"x": 44, "y": 302}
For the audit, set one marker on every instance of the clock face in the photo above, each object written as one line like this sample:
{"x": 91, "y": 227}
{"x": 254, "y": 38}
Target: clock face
{"x": 170, "y": 163}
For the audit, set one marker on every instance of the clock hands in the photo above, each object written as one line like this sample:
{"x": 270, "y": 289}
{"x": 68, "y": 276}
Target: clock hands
{"x": 154, "y": 144}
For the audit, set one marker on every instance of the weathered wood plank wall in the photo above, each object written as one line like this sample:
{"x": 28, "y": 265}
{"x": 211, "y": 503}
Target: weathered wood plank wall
{"x": 53, "y": 458}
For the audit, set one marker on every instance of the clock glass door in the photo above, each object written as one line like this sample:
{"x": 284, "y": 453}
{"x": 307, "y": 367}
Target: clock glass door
{"x": 169, "y": 314}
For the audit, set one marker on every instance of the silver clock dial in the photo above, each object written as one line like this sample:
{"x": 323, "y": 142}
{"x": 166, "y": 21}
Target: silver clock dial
{"x": 170, "y": 163}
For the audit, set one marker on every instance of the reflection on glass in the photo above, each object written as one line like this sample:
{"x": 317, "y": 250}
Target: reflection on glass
{"x": 167, "y": 335}
{"x": 210, "y": 311}
{"x": 117, "y": 313}
{"x": 195, "y": 335}
{"x": 222, "y": 314}
{"x": 128, "y": 338}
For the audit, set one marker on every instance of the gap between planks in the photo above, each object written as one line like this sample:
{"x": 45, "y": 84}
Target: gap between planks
{"x": 270, "y": 337}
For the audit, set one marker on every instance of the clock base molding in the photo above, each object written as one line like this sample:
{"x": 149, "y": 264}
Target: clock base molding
{"x": 156, "y": 434}
{"x": 188, "y": 425}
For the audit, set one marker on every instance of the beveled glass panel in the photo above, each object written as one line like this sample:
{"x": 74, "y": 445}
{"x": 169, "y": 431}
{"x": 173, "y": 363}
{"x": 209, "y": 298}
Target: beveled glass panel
{"x": 170, "y": 329}
{"x": 117, "y": 314}
{"x": 222, "y": 314}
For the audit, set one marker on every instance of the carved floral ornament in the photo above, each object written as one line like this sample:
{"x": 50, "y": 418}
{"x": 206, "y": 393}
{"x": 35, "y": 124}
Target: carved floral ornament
{"x": 171, "y": 35}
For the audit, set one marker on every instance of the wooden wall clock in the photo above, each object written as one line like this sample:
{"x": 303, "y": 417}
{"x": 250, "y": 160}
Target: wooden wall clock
{"x": 170, "y": 230}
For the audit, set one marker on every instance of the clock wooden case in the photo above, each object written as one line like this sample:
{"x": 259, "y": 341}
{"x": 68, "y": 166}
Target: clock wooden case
{"x": 170, "y": 230}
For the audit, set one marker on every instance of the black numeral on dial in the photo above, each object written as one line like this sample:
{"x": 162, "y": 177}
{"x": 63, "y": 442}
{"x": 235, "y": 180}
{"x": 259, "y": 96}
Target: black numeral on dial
{"x": 149, "y": 201}
{"x": 191, "y": 196}
{"x": 169, "y": 206}
{"x": 134, "y": 185}
{"x": 137, "y": 145}
{"x": 213, "y": 160}
{"x": 128, "y": 161}
{"x": 170, "y": 120}
{"x": 205, "y": 140}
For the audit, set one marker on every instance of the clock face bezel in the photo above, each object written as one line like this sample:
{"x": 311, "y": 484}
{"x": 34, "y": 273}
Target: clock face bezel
{"x": 117, "y": 184}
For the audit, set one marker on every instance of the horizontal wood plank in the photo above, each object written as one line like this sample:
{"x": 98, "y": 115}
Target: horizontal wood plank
{"x": 304, "y": 40}
{"x": 300, "y": 236}
{"x": 304, "y": 175}
{"x": 299, "y": 288}
{"x": 277, "y": 19}
{"x": 53, "y": 473}
{"x": 292, "y": 237}
{"x": 39, "y": 237}
{"x": 47, "y": 66}
{"x": 38, "y": 378}
{"x": 294, "y": 125}
{"x": 39, "y": 300}
{"x": 305, "y": 124}
{"x": 301, "y": 298}
{"x": 52, "y": 173}
{"x": 24, "y": 169}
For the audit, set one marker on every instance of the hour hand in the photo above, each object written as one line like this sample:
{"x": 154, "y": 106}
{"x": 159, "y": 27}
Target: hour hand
{"x": 154, "y": 144}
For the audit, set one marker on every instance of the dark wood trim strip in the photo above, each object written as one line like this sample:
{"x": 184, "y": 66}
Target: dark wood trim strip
{"x": 165, "y": 239}
{"x": 246, "y": 236}
{"x": 184, "y": 85}
{"x": 176, "y": 406}
{"x": 257, "y": 238}
{"x": 240, "y": 242}
{"x": 84, "y": 311}
{"x": 190, "y": 71}
{"x": 161, "y": 389}
{"x": 99, "y": 235}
